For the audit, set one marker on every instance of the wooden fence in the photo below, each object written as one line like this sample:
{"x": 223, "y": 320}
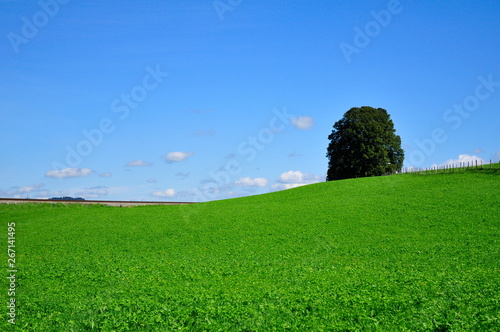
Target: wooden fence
{"x": 451, "y": 168}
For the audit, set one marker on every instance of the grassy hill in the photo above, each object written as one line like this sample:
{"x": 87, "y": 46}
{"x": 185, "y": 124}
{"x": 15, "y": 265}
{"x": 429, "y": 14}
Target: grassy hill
{"x": 406, "y": 252}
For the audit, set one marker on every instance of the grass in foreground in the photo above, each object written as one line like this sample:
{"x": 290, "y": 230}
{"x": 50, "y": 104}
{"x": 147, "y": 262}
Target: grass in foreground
{"x": 395, "y": 253}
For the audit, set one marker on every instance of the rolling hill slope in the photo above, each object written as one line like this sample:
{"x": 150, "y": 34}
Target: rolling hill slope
{"x": 406, "y": 252}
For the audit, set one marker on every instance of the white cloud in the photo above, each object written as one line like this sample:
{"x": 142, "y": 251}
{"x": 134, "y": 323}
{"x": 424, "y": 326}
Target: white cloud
{"x": 248, "y": 182}
{"x": 302, "y": 122}
{"x": 178, "y": 156}
{"x": 90, "y": 193}
{"x": 28, "y": 189}
{"x": 25, "y": 191}
{"x": 463, "y": 158}
{"x": 151, "y": 180}
{"x": 106, "y": 174}
{"x": 93, "y": 192}
{"x": 293, "y": 179}
{"x": 72, "y": 172}
{"x": 38, "y": 191}
{"x": 284, "y": 186}
{"x": 164, "y": 193}
{"x": 138, "y": 163}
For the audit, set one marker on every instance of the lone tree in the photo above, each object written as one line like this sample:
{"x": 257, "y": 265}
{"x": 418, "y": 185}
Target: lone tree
{"x": 363, "y": 143}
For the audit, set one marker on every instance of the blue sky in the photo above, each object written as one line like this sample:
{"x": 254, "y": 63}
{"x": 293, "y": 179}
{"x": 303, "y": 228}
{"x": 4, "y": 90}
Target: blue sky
{"x": 202, "y": 100}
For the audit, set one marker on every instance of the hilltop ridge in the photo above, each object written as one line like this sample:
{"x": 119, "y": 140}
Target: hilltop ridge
{"x": 403, "y": 252}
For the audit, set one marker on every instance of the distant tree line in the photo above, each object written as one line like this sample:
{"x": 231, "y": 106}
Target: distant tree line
{"x": 67, "y": 198}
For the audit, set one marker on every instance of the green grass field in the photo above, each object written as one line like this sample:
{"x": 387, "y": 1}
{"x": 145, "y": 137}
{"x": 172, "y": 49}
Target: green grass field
{"x": 394, "y": 253}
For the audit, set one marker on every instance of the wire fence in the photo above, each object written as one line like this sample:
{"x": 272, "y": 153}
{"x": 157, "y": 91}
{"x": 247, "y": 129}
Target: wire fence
{"x": 455, "y": 167}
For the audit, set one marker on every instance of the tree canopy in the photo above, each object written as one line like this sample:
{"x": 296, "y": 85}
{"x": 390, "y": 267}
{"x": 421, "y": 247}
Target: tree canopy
{"x": 363, "y": 143}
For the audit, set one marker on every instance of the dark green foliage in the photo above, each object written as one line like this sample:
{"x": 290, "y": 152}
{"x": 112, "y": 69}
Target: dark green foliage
{"x": 363, "y": 143}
